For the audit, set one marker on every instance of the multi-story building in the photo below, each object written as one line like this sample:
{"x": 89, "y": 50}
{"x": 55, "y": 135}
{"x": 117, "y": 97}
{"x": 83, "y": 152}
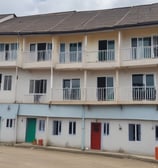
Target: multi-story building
{"x": 81, "y": 79}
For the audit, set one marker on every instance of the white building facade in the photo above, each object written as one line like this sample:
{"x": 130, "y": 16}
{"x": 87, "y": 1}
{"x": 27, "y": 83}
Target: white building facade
{"x": 81, "y": 79}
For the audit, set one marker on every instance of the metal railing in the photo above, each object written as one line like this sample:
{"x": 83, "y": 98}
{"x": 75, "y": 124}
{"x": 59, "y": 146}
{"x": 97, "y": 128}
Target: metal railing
{"x": 144, "y": 93}
{"x": 100, "y": 56}
{"x": 38, "y": 56}
{"x": 8, "y": 55}
{"x": 138, "y": 53}
{"x": 70, "y": 57}
{"x": 36, "y": 98}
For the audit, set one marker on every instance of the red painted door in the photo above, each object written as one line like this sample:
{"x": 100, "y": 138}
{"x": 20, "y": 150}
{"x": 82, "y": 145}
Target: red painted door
{"x": 95, "y": 135}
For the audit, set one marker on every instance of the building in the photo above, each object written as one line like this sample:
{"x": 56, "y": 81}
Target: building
{"x": 81, "y": 79}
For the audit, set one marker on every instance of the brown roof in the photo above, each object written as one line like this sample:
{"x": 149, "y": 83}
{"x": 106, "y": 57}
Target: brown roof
{"x": 85, "y": 21}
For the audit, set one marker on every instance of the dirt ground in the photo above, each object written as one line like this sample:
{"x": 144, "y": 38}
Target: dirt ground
{"x": 12, "y": 157}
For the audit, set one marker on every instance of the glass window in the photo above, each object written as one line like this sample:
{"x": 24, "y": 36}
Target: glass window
{"x": 72, "y": 128}
{"x": 7, "y": 82}
{"x": 41, "y": 125}
{"x": 106, "y": 129}
{"x": 32, "y": 47}
{"x": 38, "y": 86}
{"x": 71, "y": 89}
{"x": 149, "y": 80}
{"x": 56, "y": 127}
{"x": 9, "y": 123}
{"x": 134, "y": 132}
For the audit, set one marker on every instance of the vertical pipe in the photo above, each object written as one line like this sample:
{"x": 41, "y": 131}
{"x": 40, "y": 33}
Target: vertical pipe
{"x": 83, "y": 128}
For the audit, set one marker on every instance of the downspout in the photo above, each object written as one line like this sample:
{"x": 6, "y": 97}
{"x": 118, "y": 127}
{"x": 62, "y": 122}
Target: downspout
{"x": 16, "y": 123}
{"x": 83, "y": 128}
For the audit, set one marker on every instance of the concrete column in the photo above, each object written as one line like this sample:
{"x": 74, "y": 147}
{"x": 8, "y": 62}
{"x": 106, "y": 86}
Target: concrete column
{"x": 85, "y": 49}
{"x": 119, "y": 48}
{"x": 117, "y": 86}
{"x": 16, "y": 83}
{"x": 85, "y": 86}
{"x": 47, "y": 132}
{"x": 52, "y": 70}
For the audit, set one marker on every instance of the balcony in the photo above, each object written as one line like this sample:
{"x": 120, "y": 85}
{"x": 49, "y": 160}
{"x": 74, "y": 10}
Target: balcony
{"x": 100, "y": 59}
{"x": 84, "y": 96}
{"x": 137, "y": 56}
{"x": 8, "y": 58}
{"x": 138, "y": 95}
{"x": 36, "y": 98}
{"x": 38, "y": 59}
{"x": 71, "y": 59}
{"x": 68, "y": 95}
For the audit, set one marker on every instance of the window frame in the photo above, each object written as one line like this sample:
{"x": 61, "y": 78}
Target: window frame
{"x": 106, "y": 128}
{"x": 57, "y": 127}
{"x": 10, "y": 123}
{"x": 134, "y": 132}
{"x": 36, "y": 84}
{"x": 41, "y": 126}
{"x": 7, "y": 86}
{"x": 72, "y": 127}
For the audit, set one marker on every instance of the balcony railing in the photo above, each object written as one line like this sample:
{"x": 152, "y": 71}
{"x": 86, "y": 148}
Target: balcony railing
{"x": 100, "y": 94}
{"x": 97, "y": 95}
{"x": 100, "y": 56}
{"x": 36, "y": 98}
{"x": 89, "y": 94}
{"x": 38, "y": 56}
{"x": 138, "y": 53}
{"x": 132, "y": 94}
{"x": 66, "y": 94}
{"x": 8, "y": 55}
{"x": 70, "y": 57}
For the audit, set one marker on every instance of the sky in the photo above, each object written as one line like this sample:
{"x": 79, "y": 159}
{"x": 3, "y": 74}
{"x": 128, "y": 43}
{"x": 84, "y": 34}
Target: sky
{"x": 31, "y": 7}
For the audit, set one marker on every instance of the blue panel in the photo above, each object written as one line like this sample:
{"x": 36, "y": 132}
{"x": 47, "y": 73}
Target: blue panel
{"x": 51, "y": 111}
{"x": 9, "y": 110}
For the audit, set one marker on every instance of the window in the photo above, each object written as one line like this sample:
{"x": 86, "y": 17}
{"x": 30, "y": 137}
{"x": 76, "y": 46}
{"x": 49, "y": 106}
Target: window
{"x": 106, "y": 50}
{"x": 44, "y": 51}
{"x": 155, "y": 46}
{"x": 41, "y": 125}
{"x": 76, "y": 52}
{"x": 156, "y": 132}
{"x": 105, "y": 88}
{"x": 10, "y": 123}
{"x": 143, "y": 87}
{"x": 72, "y": 128}
{"x": 141, "y": 47}
{"x": 106, "y": 129}
{"x": 7, "y": 82}
{"x": 62, "y": 53}
{"x": 56, "y": 127}
{"x": 38, "y": 86}
{"x": 71, "y": 89}
{"x": 134, "y": 132}
{"x": 9, "y": 51}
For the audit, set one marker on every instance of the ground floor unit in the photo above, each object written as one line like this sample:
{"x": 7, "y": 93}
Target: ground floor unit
{"x": 121, "y": 128}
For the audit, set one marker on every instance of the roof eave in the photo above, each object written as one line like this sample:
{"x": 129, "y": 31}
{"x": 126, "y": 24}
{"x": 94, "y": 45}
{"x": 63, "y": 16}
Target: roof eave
{"x": 83, "y": 30}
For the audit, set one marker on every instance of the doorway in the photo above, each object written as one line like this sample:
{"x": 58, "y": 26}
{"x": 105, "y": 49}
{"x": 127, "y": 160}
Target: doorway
{"x": 30, "y": 130}
{"x": 96, "y": 136}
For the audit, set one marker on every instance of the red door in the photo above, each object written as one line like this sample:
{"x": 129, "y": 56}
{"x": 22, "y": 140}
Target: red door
{"x": 95, "y": 135}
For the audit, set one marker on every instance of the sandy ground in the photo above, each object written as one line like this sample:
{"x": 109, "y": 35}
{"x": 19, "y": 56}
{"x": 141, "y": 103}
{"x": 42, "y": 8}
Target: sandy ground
{"x": 11, "y": 157}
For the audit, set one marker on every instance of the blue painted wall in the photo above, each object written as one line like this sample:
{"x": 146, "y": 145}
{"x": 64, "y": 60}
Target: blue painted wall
{"x": 9, "y": 110}
{"x": 141, "y": 112}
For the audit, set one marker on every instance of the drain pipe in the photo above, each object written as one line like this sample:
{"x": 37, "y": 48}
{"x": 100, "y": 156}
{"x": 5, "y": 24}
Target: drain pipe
{"x": 83, "y": 128}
